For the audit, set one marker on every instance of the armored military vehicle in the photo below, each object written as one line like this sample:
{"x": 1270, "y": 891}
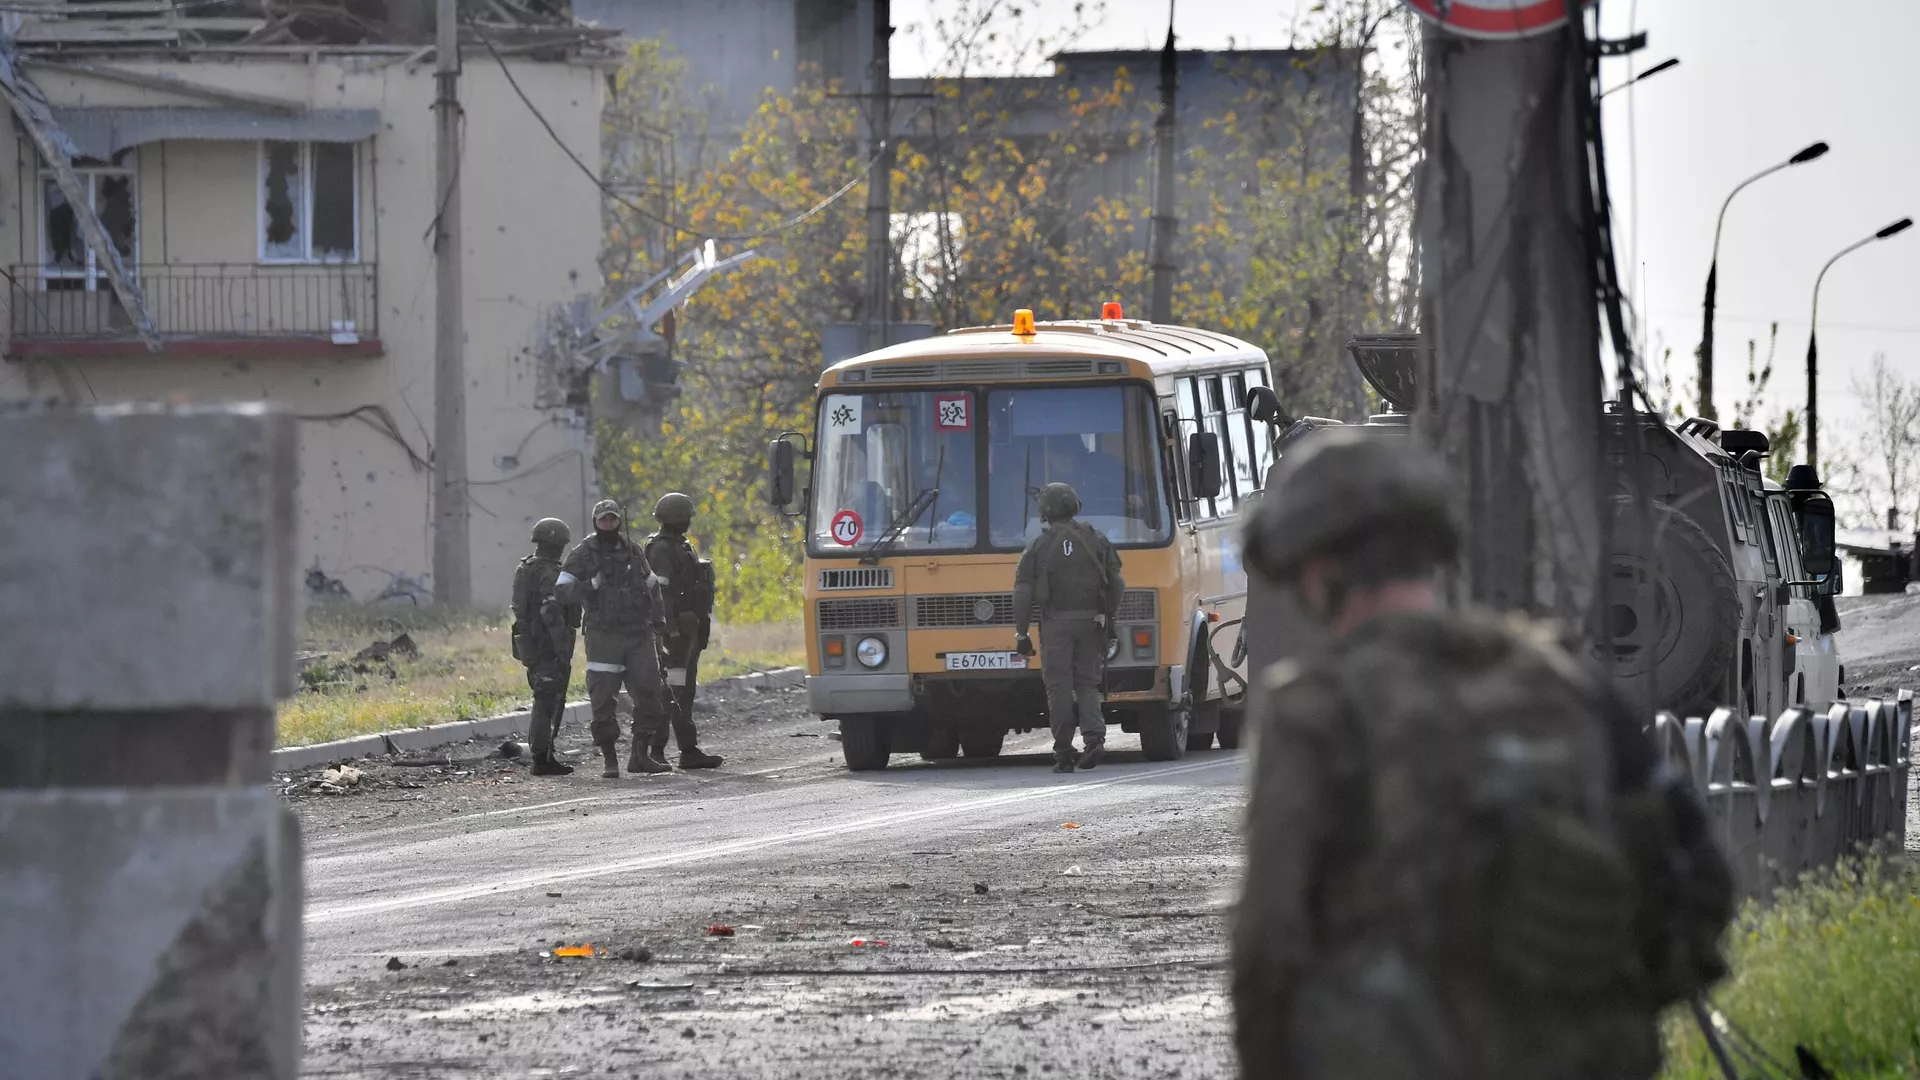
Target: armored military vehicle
{"x": 1732, "y": 604}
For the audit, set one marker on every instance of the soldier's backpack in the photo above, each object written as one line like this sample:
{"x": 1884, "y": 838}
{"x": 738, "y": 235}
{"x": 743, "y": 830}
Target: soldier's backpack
{"x": 526, "y": 609}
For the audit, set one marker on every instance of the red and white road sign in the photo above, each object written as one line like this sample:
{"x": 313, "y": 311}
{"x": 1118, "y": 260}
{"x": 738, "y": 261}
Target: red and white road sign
{"x": 1495, "y": 18}
{"x": 846, "y": 528}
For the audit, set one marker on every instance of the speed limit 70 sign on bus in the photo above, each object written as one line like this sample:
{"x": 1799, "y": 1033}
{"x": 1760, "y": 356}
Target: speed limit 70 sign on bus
{"x": 846, "y": 528}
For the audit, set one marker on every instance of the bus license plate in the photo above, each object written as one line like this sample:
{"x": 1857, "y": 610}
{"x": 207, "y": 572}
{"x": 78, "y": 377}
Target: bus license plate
{"x": 986, "y": 661}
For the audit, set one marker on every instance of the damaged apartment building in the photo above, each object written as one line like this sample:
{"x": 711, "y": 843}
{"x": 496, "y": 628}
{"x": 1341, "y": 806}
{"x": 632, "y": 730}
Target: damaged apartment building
{"x": 236, "y": 201}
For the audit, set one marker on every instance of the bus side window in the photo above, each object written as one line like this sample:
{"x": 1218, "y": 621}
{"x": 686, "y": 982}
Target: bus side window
{"x": 1246, "y": 477}
{"x": 1215, "y": 421}
{"x": 1189, "y": 414}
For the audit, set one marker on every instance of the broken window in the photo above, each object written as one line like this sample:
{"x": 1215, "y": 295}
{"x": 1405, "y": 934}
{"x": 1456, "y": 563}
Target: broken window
{"x": 309, "y": 202}
{"x": 65, "y": 259}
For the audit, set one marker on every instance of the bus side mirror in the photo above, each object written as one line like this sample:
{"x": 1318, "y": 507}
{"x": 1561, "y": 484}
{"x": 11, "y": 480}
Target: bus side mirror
{"x": 1203, "y": 464}
{"x": 1264, "y": 405}
{"x": 780, "y": 473}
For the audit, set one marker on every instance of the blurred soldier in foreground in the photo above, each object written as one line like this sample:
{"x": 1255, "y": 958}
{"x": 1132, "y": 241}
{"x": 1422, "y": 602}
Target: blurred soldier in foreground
{"x": 1463, "y": 859}
{"x": 1073, "y": 574}
{"x": 543, "y": 639}
{"x": 608, "y": 574}
{"x": 689, "y": 595}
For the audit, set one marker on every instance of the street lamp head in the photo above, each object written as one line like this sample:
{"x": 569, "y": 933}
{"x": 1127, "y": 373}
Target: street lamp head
{"x": 1900, "y": 226}
{"x": 1811, "y": 152}
{"x": 1670, "y": 62}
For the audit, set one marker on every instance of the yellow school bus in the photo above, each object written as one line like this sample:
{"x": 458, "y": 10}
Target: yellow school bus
{"x": 926, "y": 459}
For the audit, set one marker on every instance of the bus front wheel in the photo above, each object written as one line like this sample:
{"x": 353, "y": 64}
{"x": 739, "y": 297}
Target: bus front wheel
{"x": 866, "y": 742}
{"x": 1163, "y": 731}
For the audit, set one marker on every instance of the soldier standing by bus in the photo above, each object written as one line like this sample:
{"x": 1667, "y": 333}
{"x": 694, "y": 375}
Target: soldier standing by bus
{"x": 689, "y": 595}
{"x": 1073, "y": 574}
{"x": 543, "y": 629}
{"x": 609, "y": 575}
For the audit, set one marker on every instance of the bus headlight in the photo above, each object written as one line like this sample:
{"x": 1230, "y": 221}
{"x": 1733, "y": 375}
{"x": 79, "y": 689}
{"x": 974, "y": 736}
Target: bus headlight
{"x": 871, "y": 652}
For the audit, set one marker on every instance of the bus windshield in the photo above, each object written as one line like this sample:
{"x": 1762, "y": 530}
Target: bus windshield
{"x": 880, "y": 452}
{"x": 1102, "y": 440}
{"x": 881, "y": 455}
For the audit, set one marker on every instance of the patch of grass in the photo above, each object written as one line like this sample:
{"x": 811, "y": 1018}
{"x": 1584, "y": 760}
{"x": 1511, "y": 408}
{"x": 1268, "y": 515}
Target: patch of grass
{"x": 464, "y": 669}
{"x": 739, "y": 648}
{"x": 1833, "y": 964}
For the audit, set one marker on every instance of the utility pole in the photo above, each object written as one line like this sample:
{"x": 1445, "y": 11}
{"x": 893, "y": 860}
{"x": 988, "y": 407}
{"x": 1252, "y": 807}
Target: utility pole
{"x": 879, "y": 307}
{"x": 1164, "y": 223}
{"x": 452, "y": 556}
{"x": 1513, "y": 397}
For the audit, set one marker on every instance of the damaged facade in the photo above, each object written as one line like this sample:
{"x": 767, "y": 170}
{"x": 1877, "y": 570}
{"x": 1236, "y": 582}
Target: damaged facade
{"x": 235, "y": 202}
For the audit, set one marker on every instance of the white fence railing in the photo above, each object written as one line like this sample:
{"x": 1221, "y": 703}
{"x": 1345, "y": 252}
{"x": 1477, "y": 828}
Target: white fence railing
{"x": 1798, "y": 792}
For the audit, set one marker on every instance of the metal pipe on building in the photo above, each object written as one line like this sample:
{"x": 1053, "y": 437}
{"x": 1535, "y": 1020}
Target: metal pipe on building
{"x": 879, "y": 306}
{"x": 1165, "y": 131}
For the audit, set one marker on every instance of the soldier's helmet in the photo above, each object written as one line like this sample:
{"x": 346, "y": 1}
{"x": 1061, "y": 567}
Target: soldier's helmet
{"x": 1058, "y": 502}
{"x": 551, "y": 531}
{"x": 1341, "y": 487}
{"x": 603, "y": 508}
{"x": 674, "y": 510}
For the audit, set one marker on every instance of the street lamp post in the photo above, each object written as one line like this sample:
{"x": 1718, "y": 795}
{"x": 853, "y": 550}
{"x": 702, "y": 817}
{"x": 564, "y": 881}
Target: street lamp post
{"x": 1713, "y": 274}
{"x": 1665, "y": 65}
{"x": 1813, "y": 339}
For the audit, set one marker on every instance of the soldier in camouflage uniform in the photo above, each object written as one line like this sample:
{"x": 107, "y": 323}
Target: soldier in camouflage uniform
{"x": 1464, "y": 861}
{"x": 689, "y": 595}
{"x": 543, "y": 629}
{"x": 1073, "y": 573}
{"x": 609, "y": 575}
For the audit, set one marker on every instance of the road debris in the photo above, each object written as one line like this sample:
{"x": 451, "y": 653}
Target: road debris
{"x": 337, "y": 780}
{"x": 867, "y": 943}
{"x": 1073, "y": 871}
{"x": 719, "y": 930}
{"x": 511, "y": 749}
{"x": 979, "y": 889}
{"x": 394, "y": 964}
{"x": 1071, "y": 825}
{"x": 574, "y": 950}
{"x": 639, "y": 954}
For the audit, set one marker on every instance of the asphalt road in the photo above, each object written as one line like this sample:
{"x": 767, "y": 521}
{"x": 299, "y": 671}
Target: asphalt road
{"x": 1034, "y": 924}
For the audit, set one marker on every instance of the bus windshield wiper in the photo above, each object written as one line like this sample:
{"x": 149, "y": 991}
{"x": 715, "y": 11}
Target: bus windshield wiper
{"x": 900, "y": 524}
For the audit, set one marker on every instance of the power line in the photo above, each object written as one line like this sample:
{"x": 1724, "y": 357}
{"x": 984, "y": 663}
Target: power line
{"x": 791, "y": 222}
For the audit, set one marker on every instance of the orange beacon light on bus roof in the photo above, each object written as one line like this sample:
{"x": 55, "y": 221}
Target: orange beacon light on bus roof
{"x": 1023, "y": 323}
{"x": 1110, "y": 311}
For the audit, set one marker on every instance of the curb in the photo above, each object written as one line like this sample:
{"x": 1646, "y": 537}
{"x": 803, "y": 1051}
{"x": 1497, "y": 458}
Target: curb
{"x": 291, "y": 758}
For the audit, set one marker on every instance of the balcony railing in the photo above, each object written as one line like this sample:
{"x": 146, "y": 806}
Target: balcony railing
{"x": 330, "y": 305}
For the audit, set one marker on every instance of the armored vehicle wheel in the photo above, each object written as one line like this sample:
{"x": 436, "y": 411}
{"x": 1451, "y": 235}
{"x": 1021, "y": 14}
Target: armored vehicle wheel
{"x": 1233, "y": 720}
{"x": 941, "y": 743}
{"x": 982, "y": 744}
{"x": 1674, "y": 620}
{"x": 866, "y": 742}
{"x": 1163, "y": 731}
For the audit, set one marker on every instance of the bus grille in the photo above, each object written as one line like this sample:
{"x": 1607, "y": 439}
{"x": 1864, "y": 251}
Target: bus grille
{"x": 1138, "y": 605}
{"x": 877, "y": 613}
{"x": 863, "y": 577}
{"x": 965, "y": 609}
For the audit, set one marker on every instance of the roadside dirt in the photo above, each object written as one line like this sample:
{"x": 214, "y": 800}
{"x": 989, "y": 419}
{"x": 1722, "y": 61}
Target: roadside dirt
{"x": 745, "y": 725}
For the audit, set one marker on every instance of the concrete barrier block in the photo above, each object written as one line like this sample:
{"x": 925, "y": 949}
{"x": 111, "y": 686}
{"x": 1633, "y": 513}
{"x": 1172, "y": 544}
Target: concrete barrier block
{"x": 151, "y": 934}
{"x": 173, "y": 526}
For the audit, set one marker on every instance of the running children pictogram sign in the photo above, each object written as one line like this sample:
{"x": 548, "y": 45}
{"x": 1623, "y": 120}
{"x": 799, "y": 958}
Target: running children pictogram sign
{"x": 846, "y": 528}
{"x": 1495, "y": 18}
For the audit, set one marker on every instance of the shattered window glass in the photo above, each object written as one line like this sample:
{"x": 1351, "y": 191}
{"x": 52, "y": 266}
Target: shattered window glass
{"x": 309, "y": 202}
{"x": 111, "y": 192}
{"x": 281, "y": 210}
